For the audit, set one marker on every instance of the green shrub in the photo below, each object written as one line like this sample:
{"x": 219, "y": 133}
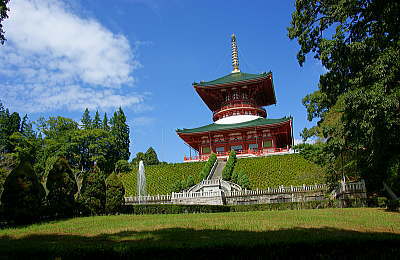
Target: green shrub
{"x": 273, "y": 171}
{"x": 92, "y": 196}
{"x": 60, "y": 183}
{"x": 122, "y": 166}
{"x": 393, "y": 205}
{"x": 114, "y": 194}
{"x": 177, "y": 209}
{"x": 162, "y": 178}
{"x": 208, "y": 166}
{"x": 229, "y": 167}
{"x": 23, "y": 195}
{"x": 243, "y": 180}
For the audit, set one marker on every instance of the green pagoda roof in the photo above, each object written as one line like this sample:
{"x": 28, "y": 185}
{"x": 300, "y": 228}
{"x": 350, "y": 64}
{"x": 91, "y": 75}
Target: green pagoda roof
{"x": 232, "y": 77}
{"x": 218, "y": 127}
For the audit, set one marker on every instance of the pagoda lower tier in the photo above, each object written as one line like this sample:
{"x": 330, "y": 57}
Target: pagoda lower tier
{"x": 257, "y": 137}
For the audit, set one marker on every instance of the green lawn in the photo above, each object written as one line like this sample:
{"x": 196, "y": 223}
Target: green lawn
{"x": 323, "y": 232}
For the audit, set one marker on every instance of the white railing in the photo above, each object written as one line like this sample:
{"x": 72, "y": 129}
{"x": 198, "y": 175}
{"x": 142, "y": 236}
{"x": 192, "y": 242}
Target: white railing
{"x": 348, "y": 187}
{"x": 278, "y": 190}
{"x": 200, "y": 194}
{"x": 214, "y": 182}
{"x": 146, "y": 199}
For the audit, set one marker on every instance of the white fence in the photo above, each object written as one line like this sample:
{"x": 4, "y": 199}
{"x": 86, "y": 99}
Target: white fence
{"x": 279, "y": 190}
{"x": 355, "y": 187}
{"x": 200, "y": 194}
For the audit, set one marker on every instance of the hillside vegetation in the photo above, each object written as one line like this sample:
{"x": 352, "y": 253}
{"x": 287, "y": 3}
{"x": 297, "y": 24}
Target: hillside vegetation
{"x": 160, "y": 179}
{"x": 273, "y": 171}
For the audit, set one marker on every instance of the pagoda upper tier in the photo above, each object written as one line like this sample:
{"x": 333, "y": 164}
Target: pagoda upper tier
{"x": 238, "y": 93}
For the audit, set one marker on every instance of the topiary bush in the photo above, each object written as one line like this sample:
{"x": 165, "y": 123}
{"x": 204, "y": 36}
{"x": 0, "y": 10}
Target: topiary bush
{"x": 23, "y": 196}
{"x": 61, "y": 184}
{"x": 92, "y": 198}
{"x": 230, "y": 165}
{"x": 208, "y": 166}
{"x": 114, "y": 194}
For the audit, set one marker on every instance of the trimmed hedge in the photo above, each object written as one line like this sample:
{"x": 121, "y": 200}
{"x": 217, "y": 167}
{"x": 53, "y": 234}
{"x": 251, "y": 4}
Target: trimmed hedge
{"x": 179, "y": 209}
{"x": 160, "y": 179}
{"x": 286, "y": 170}
{"x": 208, "y": 166}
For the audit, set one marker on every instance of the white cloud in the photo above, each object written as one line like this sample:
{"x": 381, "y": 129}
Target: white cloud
{"x": 54, "y": 59}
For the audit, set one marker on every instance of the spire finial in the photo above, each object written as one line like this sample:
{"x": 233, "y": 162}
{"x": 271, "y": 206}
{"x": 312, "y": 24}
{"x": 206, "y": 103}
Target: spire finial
{"x": 235, "y": 58}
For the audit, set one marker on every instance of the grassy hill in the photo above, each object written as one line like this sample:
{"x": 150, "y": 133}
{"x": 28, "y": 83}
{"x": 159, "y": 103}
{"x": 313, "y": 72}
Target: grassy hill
{"x": 273, "y": 171}
{"x": 161, "y": 178}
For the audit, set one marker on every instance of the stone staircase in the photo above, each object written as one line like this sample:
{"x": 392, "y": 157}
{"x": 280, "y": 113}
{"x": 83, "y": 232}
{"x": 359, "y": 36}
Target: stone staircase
{"x": 217, "y": 174}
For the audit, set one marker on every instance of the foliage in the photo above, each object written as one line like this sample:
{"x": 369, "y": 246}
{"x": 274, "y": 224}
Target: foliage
{"x": 243, "y": 180}
{"x": 358, "y": 100}
{"x": 312, "y": 152}
{"x": 208, "y": 166}
{"x": 96, "y": 121}
{"x": 23, "y": 195}
{"x": 120, "y": 133}
{"x": 273, "y": 171}
{"x": 86, "y": 120}
{"x": 122, "y": 166}
{"x": 151, "y": 157}
{"x": 148, "y": 158}
{"x": 162, "y": 178}
{"x": 61, "y": 186}
{"x": 3, "y": 15}
{"x": 230, "y": 165}
{"x": 114, "y": 194}
{"x": 92, "y": 195}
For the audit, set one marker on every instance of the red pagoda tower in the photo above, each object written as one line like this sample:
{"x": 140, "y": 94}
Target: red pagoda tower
{"x": 240, "y": 121}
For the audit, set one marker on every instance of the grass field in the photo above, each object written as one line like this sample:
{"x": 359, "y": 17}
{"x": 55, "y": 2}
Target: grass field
{"x": 273, "y": 171}
{"x": 325, "y": 233}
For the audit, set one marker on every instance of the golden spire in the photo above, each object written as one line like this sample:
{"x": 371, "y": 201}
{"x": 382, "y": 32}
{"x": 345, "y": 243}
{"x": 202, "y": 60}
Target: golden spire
{"x": 235, "y": 58}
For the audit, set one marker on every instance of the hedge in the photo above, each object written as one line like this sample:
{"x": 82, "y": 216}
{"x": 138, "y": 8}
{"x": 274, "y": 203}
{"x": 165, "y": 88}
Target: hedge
{"x": 273, "y": 171}
{"x": 178, "y": 209}
{"x": 160, "y": 179}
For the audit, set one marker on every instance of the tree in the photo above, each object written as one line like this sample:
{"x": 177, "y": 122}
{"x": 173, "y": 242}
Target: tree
{"x": 122, "y": 166}
{"x": 151, "y": 157}
{"x": 358, "y": 100}
{"x": 104, "y": 124}
{"x": 23, "y": 195}
{"x": 139, "y": 157}
{"x": 115, "y": 192}
{"x": 96, "y": 120}
{"x": 60, "y": 183}
{"x": 93, "y": 192}
{"x": 120, "y": 131}
{"x": 3, "y": 15}
{"x": 86, "y": 120}
{"x": 229, "y": 166}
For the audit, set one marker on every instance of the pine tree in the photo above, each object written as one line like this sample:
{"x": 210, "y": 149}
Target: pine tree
{"x": 62, "y": 188}
{"x": 96, "y": 120}
{"x": 120, "y": 131}
{"x": 23, "y": 194}
{"x": 104, "y": 124}
{"x": 86, "y": 120}
{"x": 26, "y": 128}
{"x": 93, "y": 193}
{"x": 151, "y": 157}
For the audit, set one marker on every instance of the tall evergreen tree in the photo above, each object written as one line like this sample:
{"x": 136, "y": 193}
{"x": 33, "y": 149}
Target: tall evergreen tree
{"x": 26, "y": 128}
{"x": 86, "y": 120}
{"x": 151, "y": 157}
{"x": 120, "y": 131}
{"x": 104, "y": 124}
{"x": 96, "y": 120}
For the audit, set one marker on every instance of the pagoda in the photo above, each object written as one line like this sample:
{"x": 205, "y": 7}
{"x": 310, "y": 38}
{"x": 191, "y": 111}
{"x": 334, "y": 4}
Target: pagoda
{"x": 237, "y": 102}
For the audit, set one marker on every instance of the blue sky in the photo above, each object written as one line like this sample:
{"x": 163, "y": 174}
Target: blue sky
{"x": 144, "y": 55}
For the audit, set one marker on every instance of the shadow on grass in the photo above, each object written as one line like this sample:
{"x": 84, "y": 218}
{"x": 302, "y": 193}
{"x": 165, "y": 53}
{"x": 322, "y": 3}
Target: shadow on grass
{"x": 183, "y": 243}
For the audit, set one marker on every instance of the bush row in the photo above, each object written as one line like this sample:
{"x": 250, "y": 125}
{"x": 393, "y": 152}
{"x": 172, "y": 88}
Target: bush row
{"x": 208, "y": 166}
{"x": 177, "y": 209}
{"x": 230, "y": 165}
